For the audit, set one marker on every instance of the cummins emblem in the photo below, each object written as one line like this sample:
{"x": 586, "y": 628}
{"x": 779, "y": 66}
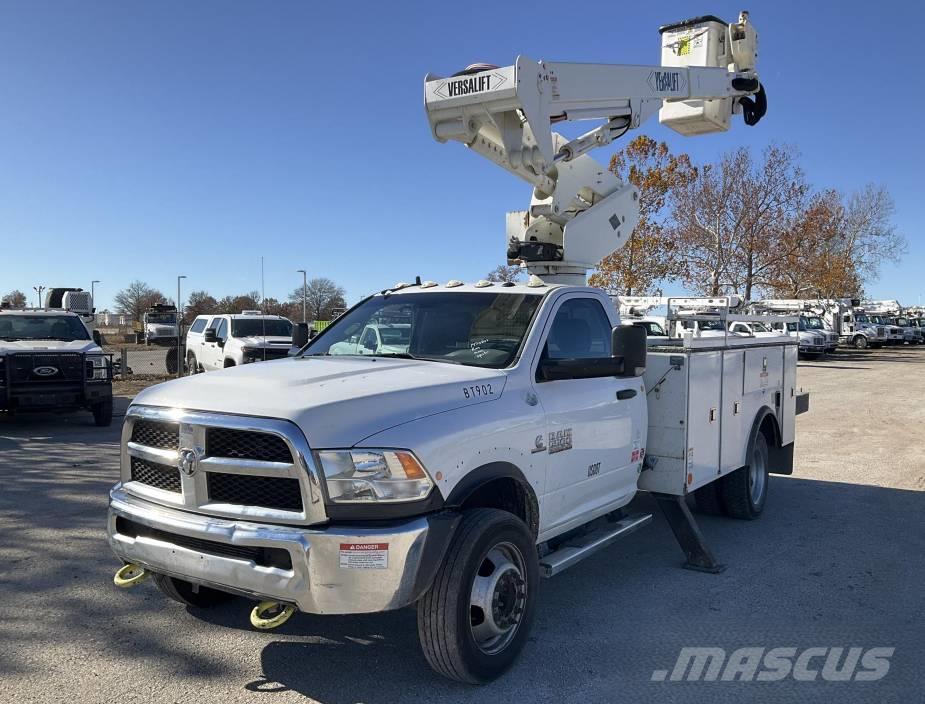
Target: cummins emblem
{"x": 45, "y": 371}
{"x": 186, "y": 462}
{"x": 667, "y": 81}
{"x": 464, "y": 85}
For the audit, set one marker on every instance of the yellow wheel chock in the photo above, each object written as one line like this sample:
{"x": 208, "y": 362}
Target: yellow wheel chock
{"x": 129, "y": 575}
{"x": 268, "y": 615}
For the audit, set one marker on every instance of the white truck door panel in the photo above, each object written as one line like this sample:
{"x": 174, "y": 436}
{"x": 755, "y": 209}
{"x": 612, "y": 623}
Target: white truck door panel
{"x": 591, "y": 435}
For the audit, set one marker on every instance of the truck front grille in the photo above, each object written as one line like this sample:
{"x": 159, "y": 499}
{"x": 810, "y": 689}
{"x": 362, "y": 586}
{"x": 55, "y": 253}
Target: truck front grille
{"x": 224, "y": 465}
{"x": 246, "y": 445}
{"x": 150, "y": 433}
{"x": 45, "y": 368}
{"x": 157, "y": 475}
{"x": 280, "y": 493}
{"x": 266, "y": 557}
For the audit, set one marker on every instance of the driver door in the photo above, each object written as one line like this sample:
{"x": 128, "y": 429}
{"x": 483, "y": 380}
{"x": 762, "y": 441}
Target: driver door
{"x": 595, "y": 428}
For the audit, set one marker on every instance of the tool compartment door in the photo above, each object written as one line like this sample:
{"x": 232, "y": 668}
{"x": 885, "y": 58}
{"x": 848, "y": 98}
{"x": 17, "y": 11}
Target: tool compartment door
{"x": 789, "y": 396}
{"x": 703, "y": 417}
{"x": 735, "y": 426}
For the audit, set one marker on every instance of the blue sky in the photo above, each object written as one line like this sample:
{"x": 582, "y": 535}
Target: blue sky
{"x": 146, "y": 140}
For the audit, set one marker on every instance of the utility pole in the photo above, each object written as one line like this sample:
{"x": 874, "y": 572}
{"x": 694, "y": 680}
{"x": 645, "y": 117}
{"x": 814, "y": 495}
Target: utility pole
{"x": 304, "y": 295}
{"x": 38, "y": 290}
{"x": 179, "y": 328}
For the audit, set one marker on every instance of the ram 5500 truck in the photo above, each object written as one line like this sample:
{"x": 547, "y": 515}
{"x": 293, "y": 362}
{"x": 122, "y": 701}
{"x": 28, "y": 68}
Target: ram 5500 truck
{"x": 501, "y": 431}
{"x": 503, "y": 443}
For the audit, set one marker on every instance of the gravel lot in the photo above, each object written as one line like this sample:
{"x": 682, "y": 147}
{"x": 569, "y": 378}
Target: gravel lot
{"x": 837, "y": 560}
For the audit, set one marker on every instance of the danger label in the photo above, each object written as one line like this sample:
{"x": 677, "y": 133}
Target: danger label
{"x": 364, "y": 556}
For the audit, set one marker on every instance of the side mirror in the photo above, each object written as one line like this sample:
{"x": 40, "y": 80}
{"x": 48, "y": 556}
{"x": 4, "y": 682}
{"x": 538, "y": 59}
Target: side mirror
{"x": 209, "y": 335}
{"x": 98, "y": 338}
{"x": 628, "y": 342}
{"x": 300, "y": 336}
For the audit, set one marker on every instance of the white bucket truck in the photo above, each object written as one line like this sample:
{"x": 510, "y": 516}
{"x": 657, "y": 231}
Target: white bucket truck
{"x": 504, "y": 439}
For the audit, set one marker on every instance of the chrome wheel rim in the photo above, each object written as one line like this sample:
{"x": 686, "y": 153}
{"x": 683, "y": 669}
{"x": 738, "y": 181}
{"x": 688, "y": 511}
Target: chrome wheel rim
{"x": 498, "y": 598}
{"x": 757, "y": 476}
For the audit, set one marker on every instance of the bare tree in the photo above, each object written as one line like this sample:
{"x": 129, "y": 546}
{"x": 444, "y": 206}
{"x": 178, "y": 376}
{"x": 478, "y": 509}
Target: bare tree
{"x": 136, "y": 298}
{"x": 507, "y": 273}
{"x": 322, "y": 297}
{"x": 731, "y": 221}
{"x": 14, "y": 299}
{"x": 200, "y": 303}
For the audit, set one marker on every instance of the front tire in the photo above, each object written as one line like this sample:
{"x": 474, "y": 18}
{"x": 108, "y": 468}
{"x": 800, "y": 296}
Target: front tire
{"x": 190, "y": 594}
{"x": 860, "y": 342}
{"x": 102, "y": 413}
{"x": 477, "y": 615}
{"x": 192, "y": 365}
{"x": 745, "y": 490}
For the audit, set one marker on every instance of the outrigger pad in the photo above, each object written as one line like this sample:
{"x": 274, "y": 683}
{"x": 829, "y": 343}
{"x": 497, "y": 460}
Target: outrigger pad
{"x": 687, "y": 533}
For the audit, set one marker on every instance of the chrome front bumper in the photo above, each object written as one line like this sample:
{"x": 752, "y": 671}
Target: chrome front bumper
{"x": 327, "y": 575}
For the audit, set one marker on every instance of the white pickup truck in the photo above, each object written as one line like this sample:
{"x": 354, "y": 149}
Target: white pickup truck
{"x": 503, "y": 444}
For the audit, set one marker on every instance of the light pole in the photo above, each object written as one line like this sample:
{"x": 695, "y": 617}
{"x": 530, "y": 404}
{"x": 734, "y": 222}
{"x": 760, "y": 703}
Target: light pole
{"x": 304, "y": 288}
{"x": 38, "y": 290}
{"x": 179, "y": 326}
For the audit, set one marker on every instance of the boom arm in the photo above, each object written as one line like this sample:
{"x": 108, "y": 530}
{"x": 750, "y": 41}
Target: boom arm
{"x": 580, "y": 211}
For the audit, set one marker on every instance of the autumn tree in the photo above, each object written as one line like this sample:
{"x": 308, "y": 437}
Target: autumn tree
{"x": 839, "y": 243}
{"x": 14, "y": 299}
{"x": 506, "y": 273}
{"x": 649, "y": 255}
{"x": 235, "y": 304}
{"x": 322, "y": 297}
{"x": 136, "y": 298}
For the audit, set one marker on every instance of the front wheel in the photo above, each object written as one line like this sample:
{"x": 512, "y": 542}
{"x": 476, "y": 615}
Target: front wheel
{"x": 745, "y": 490}
{"x": 860, "y": 342}
{"x": 192, "y": 365}
{"x": 476, "y": 617}
{"x": 102, "y": 413}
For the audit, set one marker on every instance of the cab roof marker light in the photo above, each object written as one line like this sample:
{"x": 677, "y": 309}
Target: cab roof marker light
{"x": 428, "y": 284}
{"x": 535, "y": 281}
{"x": 454, "y": 283}
{"x": 483, "y": 283}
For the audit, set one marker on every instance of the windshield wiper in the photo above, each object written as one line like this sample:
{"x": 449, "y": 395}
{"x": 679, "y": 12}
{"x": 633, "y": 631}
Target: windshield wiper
{"x": 11, "y": 339}
{"x": 408, "y": 355}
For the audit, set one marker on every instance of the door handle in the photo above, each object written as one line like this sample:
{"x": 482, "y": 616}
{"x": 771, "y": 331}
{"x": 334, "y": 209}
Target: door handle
{"x": 624, "y": 394}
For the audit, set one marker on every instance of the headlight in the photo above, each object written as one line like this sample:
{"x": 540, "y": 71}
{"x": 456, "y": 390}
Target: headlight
{"x": 384, "y": 476}
{"x": 97, "y": 368}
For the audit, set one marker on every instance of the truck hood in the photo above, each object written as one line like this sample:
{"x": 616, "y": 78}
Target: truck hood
{"x": 47, "y": 346}
{"x": 336, "y": 401}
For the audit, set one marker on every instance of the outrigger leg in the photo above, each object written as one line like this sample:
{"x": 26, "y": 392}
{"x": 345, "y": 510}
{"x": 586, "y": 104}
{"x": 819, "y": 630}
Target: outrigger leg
{"x": 687, "y": 533}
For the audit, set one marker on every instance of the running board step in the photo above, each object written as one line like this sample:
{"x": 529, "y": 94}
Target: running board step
{"x": 576, "y": 550}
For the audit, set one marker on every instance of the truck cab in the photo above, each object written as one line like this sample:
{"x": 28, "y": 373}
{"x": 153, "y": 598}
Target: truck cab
{"x": 50, "y": 360}
{"x": 228, "y": 340}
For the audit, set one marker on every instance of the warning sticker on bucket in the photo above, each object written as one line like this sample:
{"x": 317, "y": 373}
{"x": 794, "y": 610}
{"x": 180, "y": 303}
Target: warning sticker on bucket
{"x": 364, "y": 556}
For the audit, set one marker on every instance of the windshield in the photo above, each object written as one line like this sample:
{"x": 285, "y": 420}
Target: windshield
{"x": 861, "y": 319}
{"x": 759, "y": 327}
{"x": 877, "y": 319}
{"x": 259, "y": 327}
{"x": 475, "y": 329}
{"x": 162, "y": 318}
{"x": 42, "y": 327}
{"x": 902, "y": 322}
{"x": 814, "y": 323}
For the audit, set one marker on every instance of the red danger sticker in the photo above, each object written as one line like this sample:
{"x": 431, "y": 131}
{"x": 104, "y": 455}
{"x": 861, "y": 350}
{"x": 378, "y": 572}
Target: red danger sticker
{"x": 364, "y": 556}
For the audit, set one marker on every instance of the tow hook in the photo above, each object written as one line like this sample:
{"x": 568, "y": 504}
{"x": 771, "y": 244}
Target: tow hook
{"x": 129, "y": 575}
{"x": 268, "y": 615}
